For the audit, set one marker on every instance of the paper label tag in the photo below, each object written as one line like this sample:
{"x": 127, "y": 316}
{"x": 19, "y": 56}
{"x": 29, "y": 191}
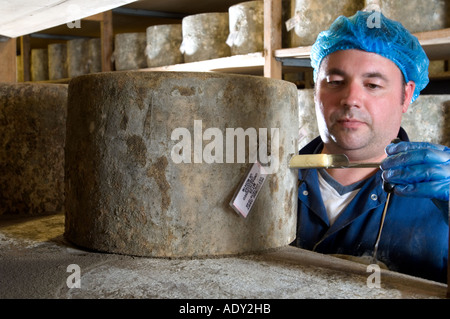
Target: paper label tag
{"x": 183, "y": 47}
{"x": 248, "y": 190}
{"x": 302, "y": 133}
{"x": 292, "y": 22}
{"x": 231, "y": 38}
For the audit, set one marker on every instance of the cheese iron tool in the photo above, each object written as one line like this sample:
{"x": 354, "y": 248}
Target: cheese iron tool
{"x": 326, "y": 161}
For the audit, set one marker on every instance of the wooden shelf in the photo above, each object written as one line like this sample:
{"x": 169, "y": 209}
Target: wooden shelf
{"x": 299, "y": 52}
{"x": 273, "y": 62}
{"x": 435, "y": 43}
{"x": 252, "y": 63}
{"x": 440, "y": 76}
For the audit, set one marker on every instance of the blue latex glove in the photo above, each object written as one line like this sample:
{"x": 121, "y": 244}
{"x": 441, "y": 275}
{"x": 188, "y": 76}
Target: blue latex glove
{"x": 418, "y": 169}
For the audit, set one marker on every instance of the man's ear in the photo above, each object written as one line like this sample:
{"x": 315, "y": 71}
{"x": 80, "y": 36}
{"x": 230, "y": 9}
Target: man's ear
{"x": 409, "y": 91}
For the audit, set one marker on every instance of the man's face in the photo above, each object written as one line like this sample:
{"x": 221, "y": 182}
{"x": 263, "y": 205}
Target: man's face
{"x": 359, "y": 101}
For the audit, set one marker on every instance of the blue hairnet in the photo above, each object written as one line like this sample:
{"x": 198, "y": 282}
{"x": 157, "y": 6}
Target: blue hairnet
{"x": 373, "y": 32}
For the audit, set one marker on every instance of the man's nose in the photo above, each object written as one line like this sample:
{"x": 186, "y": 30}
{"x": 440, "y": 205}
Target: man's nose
{"x": 352, "y": 94}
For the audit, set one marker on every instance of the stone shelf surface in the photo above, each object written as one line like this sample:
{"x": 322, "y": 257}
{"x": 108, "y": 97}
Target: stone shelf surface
{"x": 34, "y": 261}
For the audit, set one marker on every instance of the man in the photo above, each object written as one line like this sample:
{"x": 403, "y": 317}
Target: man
{"x": 365, "y": 77}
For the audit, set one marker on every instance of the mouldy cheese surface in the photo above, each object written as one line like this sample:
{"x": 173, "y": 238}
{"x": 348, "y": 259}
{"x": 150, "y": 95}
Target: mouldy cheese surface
{"x": 127, "y": 193}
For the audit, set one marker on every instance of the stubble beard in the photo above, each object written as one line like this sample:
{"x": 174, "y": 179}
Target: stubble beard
{"x": 358, "y": 143}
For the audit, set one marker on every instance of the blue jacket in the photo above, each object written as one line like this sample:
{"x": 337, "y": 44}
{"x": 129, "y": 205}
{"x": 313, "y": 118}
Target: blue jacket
{"x": 414, "y": 239}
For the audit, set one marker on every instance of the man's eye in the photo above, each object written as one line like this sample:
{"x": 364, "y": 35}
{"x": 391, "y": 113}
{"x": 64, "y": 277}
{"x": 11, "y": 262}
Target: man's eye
{"x": 335, "y": 82}
{"x": 373, "y": 86}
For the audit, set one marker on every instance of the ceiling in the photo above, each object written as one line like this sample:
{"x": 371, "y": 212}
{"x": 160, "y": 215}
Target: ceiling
{"x": 22, "y": 17}
{"x": 46, "y": 20}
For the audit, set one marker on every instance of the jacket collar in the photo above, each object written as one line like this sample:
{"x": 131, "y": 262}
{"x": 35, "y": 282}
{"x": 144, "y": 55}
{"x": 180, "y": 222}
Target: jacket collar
{"x": 370, "y": 196}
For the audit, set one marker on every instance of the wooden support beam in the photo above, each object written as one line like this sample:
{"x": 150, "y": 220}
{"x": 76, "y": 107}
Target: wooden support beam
{"x": 272, "y": 38}
{"x": 8, "y": 60}
{"x": 107, "y": 41}
{"x": 25, "y": 57}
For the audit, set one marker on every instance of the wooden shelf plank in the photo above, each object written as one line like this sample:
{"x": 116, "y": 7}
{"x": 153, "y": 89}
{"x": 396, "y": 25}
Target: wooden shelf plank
{"x": 440, "y": 76}
{"x": 433, "y": 35}
{"x": 252, "y": 63}
{"x": 299, "y": 52}
{"x": 435, "y": 43}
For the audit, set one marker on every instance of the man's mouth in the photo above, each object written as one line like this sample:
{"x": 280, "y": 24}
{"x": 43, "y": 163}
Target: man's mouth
{"x": 350, "y": 123}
